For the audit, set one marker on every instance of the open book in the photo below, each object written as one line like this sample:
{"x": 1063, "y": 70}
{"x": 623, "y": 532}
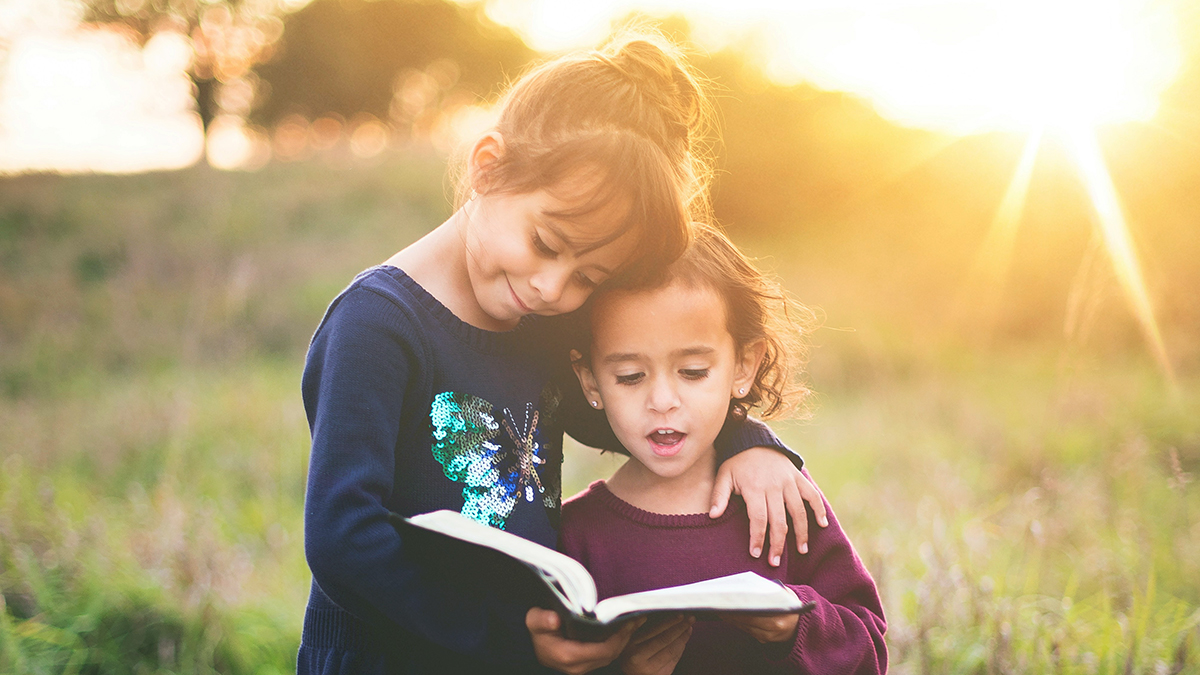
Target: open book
{"x": 571, "y": 587}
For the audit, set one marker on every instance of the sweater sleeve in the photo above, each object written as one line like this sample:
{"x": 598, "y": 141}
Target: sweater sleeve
{"x": 360, "y": 364}
{"x": 845, "y": 632}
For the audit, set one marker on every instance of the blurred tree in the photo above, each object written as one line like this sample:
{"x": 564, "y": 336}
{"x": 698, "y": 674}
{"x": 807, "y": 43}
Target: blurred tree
{"x": 228, "y": 36}
{"x": 338, "y": 56}
{"x": 351, "y": 56}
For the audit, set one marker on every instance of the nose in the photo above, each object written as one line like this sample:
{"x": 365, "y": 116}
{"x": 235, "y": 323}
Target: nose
{"x": 663, "y": 396}
{"x": 551, "y": 283}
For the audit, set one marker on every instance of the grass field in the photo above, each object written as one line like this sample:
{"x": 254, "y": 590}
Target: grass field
{"x": 1024, "y": 507}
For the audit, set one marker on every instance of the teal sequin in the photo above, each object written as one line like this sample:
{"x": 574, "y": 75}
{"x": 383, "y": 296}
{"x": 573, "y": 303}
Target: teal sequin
{"x": 463, "y": 428}
{"x": 496, "y": 470}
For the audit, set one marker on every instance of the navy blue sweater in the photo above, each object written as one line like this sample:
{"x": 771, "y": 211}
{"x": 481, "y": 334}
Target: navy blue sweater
{"x": 412, "y": 410}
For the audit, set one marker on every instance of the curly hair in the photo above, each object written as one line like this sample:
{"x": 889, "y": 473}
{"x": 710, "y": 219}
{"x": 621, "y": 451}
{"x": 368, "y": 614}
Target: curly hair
{"x": 756, "y": 309}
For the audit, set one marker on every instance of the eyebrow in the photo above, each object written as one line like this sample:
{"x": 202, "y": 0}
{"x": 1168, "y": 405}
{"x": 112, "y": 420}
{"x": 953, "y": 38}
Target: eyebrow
{"x": 579, "y": 249}
{"x": 630, "y": 356}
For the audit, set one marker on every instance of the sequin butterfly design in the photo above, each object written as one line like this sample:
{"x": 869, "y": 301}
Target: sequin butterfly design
{"x": 496, "y": 469}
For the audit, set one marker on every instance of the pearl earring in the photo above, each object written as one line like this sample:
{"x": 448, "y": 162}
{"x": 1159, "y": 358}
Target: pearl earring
{"x": 742, "y": 391}
{"x": 595, "y": 404}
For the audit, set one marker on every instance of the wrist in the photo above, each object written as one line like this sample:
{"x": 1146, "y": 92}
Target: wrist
{"x": 788, "y": 633}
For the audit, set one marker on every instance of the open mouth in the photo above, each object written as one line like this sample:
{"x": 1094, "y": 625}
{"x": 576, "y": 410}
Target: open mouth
{"x": 666, "y": 442}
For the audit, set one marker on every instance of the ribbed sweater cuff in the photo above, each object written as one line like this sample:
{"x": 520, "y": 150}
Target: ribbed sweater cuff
{"x": 790, "y": 653}
{"x": 335, "y": 628}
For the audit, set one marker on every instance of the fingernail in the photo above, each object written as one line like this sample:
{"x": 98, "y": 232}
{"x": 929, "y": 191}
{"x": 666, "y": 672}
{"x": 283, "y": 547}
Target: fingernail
{"x": 755, "y": 552}
{"x": 775, "y": 561}
{"x": 804, "y": 548}
{"x": 824, "y": 522}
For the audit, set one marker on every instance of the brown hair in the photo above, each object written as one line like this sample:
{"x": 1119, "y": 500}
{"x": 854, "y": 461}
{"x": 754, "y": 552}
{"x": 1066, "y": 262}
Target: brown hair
{"x": 634, "y": 112}
{"x": 756, "y": 308}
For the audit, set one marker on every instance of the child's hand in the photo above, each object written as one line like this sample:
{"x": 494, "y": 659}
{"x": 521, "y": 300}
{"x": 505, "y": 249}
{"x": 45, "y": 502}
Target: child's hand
{"x": 772, "y": 487}
{"x": 570, "y": 656}
{"x": 766, "y": 627}
{"x": 656, "y": 650}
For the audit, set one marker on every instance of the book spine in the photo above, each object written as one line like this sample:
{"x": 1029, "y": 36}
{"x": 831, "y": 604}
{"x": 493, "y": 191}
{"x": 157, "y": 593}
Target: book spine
{"x": 585, "y": 629}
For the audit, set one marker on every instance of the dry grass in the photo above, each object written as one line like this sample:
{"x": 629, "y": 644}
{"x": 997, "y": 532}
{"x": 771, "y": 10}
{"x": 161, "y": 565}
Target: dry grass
{"x": 1024, "y": 508}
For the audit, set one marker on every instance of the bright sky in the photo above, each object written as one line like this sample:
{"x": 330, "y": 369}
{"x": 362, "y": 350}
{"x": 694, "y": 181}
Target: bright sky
{"x": 955, "y": 65}
{"x": 74, "y": 99}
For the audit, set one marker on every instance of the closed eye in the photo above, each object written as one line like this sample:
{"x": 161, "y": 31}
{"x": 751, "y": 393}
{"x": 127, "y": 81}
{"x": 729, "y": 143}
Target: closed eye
{"x": 632, "y": 378}
{"x": 542, "y": 247}
{"x": 694, "y": 373}
{"x": 586, "y": 281}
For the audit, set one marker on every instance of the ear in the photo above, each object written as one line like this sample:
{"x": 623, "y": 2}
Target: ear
{"x": 486, "y": 151}
{"x": 586, "y": 380}
{"x": 746, "y": 370}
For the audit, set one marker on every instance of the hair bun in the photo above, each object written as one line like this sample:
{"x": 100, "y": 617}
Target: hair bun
{"x": 633, "y": 108}
{"x": 658, "y": 71}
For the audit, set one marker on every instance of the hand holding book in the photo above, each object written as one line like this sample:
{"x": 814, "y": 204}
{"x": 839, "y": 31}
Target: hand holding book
{"x": 656, "y": 648}
{"x": 766, "y": 627}
{"x": 562, "y": 583}
{"x": 569, "y": 656}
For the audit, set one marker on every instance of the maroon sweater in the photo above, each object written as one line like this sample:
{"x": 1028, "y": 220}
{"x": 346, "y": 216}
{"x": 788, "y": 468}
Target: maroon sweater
{"x": 627, "y": 550}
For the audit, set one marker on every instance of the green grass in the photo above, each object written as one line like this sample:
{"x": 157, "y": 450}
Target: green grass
{"x": 154, "y": 523}
{"x": 1022, "y": 517}
{"x": 1024, "y": 507}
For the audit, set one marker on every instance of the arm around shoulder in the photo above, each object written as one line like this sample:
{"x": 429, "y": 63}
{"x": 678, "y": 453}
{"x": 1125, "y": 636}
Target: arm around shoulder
{"x": 739, "y": 435}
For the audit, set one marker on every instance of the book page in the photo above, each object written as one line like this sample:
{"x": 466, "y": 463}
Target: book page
{"x": 746, "y": 591}
{"x": 574, "y": 585}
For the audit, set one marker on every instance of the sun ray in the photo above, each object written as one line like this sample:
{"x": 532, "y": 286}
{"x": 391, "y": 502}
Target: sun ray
{"x": 1087, "y": 292}
{"x": 1114, "y": 232}
{"x": 986, "y": 282}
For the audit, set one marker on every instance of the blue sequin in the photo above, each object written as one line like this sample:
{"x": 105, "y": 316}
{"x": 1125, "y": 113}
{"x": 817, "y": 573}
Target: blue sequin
{"x": 496, "y": 469}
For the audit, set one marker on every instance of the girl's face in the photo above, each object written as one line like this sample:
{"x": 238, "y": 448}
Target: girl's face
{"x": 522, "y": 260}
{"x": 664, "y": 368}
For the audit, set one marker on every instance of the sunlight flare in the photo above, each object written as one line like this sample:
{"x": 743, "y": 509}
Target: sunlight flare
{"x": 1110, "y": 220}
{"x": 962, "y": 66}
{"x": 92, "y": 99}
{"x": 986, "y": 283}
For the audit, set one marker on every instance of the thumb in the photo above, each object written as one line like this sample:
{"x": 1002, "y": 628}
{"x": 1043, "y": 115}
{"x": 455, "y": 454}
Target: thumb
{"x": 622, "y": 637}
{"x": 722, "y": 488}
{"x": 539, "y": 620}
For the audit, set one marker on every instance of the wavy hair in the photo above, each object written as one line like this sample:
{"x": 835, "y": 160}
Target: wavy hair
{"x": 633, "y": 112}
{"x": 756, "y": 309}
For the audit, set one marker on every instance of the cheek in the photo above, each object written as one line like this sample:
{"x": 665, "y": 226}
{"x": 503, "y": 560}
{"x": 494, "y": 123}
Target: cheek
{"x": 620, "y": 401}
{"x": 713, "y": 397}
{"x": 626, "y": 417}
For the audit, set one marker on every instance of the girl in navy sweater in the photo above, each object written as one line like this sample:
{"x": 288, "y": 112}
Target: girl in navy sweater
{"x": 670, "y": 364}
{"x": 435, "y": 380}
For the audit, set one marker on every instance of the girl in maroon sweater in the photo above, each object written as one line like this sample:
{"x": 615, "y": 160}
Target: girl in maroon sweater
{"x": 668, "y": 364}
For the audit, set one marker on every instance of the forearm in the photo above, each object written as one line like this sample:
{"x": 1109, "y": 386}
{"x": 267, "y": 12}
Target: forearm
{"x": 391, "y": 585}
{"x": 833, "y": 639}
{"x": 366, "y": 567}
{"x": 742, "y": 434}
